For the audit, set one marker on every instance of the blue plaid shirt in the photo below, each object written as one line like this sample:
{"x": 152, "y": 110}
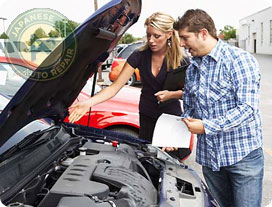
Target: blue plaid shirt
{"x": 223, "y": 90}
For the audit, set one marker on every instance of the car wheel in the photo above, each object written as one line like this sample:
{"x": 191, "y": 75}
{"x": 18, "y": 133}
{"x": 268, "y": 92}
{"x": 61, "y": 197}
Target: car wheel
{"x": 132, "y": 80}
{"x": 125, "y": 130}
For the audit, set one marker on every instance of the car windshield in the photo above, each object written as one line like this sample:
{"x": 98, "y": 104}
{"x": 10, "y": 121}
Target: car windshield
{"x": 10, "y": 81}
{"x": 3, "y": 102}
{"x": 125, "y": 53}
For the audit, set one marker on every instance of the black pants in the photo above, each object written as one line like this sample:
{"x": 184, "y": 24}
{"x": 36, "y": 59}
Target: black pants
{"x": 147, "y": 126}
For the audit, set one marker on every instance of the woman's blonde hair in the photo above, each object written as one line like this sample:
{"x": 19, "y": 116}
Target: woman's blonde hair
{"x": 164, "y": 23}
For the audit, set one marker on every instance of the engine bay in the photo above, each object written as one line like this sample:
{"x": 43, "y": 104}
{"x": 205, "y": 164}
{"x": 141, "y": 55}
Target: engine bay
{"x": 74, "y": 166}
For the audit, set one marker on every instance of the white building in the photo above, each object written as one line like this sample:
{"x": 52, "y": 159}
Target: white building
{"x": 255, "y": 32}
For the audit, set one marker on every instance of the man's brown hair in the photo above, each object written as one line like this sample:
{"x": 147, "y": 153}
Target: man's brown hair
{"x": 195, "y": 20}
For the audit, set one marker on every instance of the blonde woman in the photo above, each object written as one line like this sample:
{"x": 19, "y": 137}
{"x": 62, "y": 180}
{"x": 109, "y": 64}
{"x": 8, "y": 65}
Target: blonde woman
{"x": 160, "y": 54}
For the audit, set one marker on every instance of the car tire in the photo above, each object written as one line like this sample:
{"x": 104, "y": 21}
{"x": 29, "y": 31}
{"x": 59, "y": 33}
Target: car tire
{"x": 125, "y": 130}
{"x": 132, "y": 80}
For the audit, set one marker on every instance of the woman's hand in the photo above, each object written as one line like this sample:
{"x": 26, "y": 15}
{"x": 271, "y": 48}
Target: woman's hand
{"x": 166, "y": 95}
{"x": 163, "y": 95}
{"x": 81, "y": 108}
{"x": 78, "y": 110}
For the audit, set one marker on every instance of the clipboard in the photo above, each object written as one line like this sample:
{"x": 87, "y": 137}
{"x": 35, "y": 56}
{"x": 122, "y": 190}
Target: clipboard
{"x": 175, "y": 80}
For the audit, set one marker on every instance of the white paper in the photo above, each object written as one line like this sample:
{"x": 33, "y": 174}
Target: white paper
{"x": 171, "y": 131}
{"x": 3, "y": 77}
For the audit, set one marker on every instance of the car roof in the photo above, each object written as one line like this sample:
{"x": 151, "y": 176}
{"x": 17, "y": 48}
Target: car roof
{"x": 128, "y": 49}
{"x": 18, "y": 61}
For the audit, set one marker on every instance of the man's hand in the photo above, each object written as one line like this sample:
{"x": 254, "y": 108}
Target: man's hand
{"x": 195, "y": 126}
{"x": 169, "y": 149}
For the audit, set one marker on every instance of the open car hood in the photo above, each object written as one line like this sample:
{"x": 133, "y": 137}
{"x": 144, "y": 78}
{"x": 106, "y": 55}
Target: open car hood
{"x": 94, "y": 39}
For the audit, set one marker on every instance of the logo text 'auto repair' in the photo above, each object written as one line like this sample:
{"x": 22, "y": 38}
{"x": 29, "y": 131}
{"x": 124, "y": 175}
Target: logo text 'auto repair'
{"x": 41, "y": 44}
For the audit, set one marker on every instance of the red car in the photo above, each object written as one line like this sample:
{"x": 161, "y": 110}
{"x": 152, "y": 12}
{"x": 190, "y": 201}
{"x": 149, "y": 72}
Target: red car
{"x": 119, "y": 113}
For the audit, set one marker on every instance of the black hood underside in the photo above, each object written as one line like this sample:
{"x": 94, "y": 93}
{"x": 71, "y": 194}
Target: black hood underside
{"x": 83, "y": 51}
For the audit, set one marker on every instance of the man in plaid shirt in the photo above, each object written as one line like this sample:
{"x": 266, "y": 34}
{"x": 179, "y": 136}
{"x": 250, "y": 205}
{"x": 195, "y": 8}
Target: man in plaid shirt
{"x": 221, "y": 105}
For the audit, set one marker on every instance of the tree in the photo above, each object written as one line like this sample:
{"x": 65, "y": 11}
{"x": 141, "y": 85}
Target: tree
{"x": 39, "y": 33}
{"x": 53, "y": 33}
{"x": 228, "y": 32}
{"x": 128, "y": 38}
{"x": 65, "y": 27}
{"x": 4, "y": 36}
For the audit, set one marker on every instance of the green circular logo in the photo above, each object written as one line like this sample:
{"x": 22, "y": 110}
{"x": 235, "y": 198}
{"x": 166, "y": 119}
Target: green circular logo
{"x": 39, "y": 38}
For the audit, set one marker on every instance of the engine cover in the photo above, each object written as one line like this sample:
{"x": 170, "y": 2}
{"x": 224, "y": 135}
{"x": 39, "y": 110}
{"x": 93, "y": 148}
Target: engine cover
{"x": 102, "y": 170}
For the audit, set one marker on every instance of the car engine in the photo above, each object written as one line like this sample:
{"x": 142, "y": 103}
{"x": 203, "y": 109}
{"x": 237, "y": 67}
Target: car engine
{"x": 80, "y": 166}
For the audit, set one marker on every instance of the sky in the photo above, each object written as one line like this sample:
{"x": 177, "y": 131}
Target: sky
{"x": 223, "y": 12}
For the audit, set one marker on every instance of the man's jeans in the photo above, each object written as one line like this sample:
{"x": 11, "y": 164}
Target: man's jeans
{"x": 238, "y": 185}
